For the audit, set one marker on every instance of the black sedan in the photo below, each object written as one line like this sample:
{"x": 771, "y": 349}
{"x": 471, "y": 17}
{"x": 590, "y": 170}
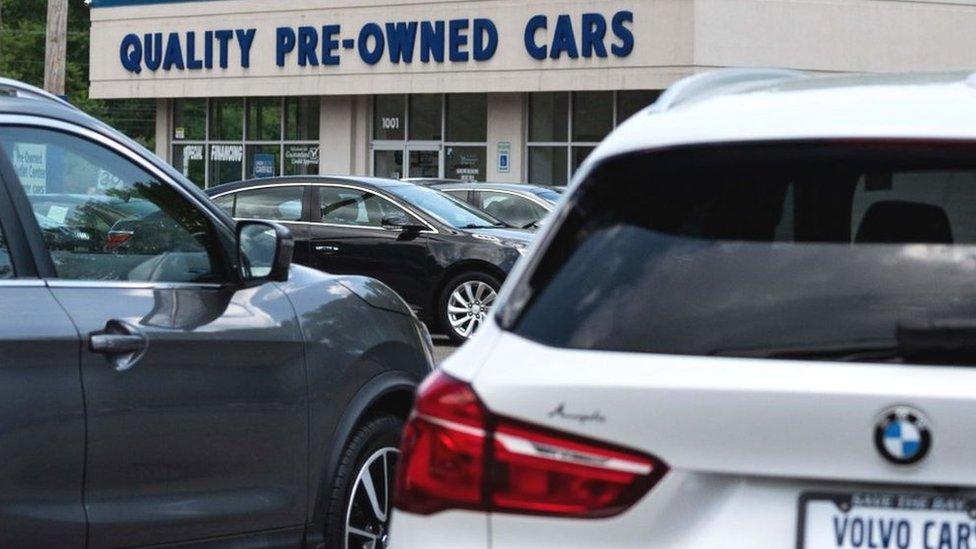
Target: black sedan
{"x": 444, "y": 257}
{"x": 515, "y": 204}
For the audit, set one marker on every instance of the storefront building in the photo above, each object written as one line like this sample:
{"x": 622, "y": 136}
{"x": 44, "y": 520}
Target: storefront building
{"x": 499, "y": 90}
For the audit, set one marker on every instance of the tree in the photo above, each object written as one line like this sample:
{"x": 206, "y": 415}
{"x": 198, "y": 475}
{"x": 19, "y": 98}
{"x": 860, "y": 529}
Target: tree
{"x": 22, "y": 58}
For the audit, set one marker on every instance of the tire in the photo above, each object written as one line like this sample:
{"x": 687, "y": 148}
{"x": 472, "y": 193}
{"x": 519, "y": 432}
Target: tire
{"x": 351, "y": 519}
{"x": 458, "y": 325}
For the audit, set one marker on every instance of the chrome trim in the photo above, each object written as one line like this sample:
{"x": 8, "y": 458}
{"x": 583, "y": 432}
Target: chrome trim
{"x": 526, "y": 447}
{"x": 22, "y": 283}
{"x": 409, "y": 209}
{"x": 527, "y": 195}
{"x": 127, "y": 285}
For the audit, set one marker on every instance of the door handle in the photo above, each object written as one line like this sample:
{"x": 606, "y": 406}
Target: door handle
{"x": 122, "y": 344}
{"x": 327, "y": 249}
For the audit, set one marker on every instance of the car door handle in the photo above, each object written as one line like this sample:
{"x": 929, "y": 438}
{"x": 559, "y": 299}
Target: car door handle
{"x": 122, "y": 343}
{"x": 116, "y": 344}
{"x": 327, "y": 249}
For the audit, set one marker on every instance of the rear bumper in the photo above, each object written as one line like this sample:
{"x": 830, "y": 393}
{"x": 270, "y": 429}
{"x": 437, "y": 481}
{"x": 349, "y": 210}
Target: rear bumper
{"x": 454, "y": 529}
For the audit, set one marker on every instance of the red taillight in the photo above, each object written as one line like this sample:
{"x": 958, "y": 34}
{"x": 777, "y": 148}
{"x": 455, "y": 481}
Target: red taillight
{"x": 456, "y": 455}
{"x": 117, "y": 238}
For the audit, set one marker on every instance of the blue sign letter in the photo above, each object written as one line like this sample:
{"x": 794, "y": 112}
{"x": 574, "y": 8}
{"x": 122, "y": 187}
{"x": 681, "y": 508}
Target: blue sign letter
{"x": 153, "y": 51}
{"x": 285, "y": 44}
{"x": 130, "y": 52}
{"x": 594, "y": 33}
{"x": 308, "y": 44}
{"x": 531, "y": 46}
{"x": 623, "y": 33}
{"x": 485, "y": 28}
{"x": 329, "y": 44}
{"x": 174, "y": 53}
{"x": 246, "y": 39}
{"x": 457, "y": 40}
{"x": 192, "y": 62}
{"x": 373, "y": 56}
{"x": 432, "y": 41}
{"x": 563, "y": 39}
{"x": 223, "y": 36}
{"x": 401, "y": 38}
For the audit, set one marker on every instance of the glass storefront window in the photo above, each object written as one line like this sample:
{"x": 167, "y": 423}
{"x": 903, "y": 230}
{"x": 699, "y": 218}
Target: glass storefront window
{"x": 301, "y": 159}
{"x": 555, "y": 152}
{"x": 388, "y": 164}
{"x": 263, "y": 161}
{"x": 631, "y": 102}
{"x": 466, "y": 163}
{"x": 425, "y": 118}
{"x": 226, "y": 162}
{"x": 549, "y": 117}
{"x": 466, "y": 118}
{"x": 424, "y": 151}
{"x": 226, "y": 119}
{"x": 592, "y": 116}
{"x": 190, "y": 161}
{"x": 388, "y": 115}
{"x": 302, "y": 118}
{"x": 189, "y": 119}
{"x": 264, "y": 119}
{"x": 246, "y": 138}
{"x": 548, "y": 166}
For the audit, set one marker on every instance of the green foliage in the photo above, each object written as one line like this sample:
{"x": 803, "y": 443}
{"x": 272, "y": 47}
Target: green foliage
{"x": 22, "y": 38}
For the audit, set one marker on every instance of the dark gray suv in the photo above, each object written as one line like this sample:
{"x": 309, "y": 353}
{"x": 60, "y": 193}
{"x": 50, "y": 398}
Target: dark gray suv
{"x": 168, "y": 377}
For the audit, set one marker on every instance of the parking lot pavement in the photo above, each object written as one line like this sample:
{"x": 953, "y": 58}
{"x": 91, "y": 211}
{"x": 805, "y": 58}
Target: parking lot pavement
{"x": 442, "y": 348}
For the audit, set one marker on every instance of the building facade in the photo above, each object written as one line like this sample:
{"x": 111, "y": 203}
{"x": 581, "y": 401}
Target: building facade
{"x": 500, "y": 90}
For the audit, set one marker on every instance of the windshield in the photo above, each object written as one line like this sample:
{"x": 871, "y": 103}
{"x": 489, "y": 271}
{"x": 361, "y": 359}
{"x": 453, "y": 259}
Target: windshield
{"x": 447, "y": 209}
{"x": 791, "y": 251}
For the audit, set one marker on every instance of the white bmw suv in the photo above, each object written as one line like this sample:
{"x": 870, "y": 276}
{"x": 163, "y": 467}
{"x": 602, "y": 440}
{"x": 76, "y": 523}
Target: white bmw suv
{"x": 751, "y": 323}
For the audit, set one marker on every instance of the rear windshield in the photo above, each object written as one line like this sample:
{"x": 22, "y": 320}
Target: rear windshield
{"x": 840, "y": 251}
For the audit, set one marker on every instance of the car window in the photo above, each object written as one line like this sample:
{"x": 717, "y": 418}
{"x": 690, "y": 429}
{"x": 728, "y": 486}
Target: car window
{"x": 448, "y": 209}
{"x": 514, "y": 210}
{"x": 345, "y": 206}
{"x": 282, "y": 203}
{"x": 806, "y": 251}
{"x": 460, "y": 195}
{"x": 103, "y": 217}
{"x": 226, "y": 203}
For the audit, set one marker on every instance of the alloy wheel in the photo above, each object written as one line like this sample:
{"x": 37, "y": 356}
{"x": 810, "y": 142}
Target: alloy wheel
{"x": 469, "y": 305}
{"x": 368, "y": 514}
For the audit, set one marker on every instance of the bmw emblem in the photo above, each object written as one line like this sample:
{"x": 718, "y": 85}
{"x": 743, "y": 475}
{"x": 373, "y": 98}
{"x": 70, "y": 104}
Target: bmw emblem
{"x": 902, "y": 435}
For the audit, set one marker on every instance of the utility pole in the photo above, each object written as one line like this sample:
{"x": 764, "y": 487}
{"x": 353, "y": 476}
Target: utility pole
{"x": 56, "y": 47}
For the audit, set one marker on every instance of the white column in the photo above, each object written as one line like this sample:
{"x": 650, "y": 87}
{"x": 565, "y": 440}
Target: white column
{"x": 164, "y": 130}
{"x": 506, "y": 124}
{"x": 344, "y": 139}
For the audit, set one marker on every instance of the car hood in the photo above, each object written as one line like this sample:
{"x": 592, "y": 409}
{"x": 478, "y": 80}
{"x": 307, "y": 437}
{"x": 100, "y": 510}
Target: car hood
{"x": 501, "y": 235}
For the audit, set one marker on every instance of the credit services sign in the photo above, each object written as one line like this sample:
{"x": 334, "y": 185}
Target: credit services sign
{"x": 347, "y": 47}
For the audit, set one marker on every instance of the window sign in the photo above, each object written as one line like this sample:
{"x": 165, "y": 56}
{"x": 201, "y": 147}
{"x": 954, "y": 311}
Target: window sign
{"x": 227, "y": 153}
{"x": 504, "y": 157}
{"x": 264, "y": 165}
{"x": 301, "y": 159}
{"x": 30, "y": 163}
{"x": 191, "y": 152}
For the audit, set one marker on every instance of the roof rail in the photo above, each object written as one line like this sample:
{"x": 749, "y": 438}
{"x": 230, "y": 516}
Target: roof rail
{"x": 9, "y": 86}
{"x": 717, "y": 82}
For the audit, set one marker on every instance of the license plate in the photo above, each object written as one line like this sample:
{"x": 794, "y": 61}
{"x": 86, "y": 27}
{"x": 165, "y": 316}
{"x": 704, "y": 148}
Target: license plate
{"x": 886, "y": 521}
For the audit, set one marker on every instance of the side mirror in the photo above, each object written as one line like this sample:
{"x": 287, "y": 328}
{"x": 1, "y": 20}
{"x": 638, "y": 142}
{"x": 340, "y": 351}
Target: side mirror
{"x": 264, "y": 251}
{"x": 402, "y": 223}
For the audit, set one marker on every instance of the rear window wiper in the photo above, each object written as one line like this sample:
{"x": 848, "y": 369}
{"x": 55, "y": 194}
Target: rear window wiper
{"x": 841, "y": 352}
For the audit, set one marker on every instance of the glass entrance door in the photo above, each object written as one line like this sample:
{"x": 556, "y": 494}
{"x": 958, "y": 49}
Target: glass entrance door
{"x": 388, "y": 163}
{"x": 424, "y": 162}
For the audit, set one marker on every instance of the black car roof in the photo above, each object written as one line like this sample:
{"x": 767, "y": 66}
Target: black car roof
{"x": 373, "y": 182}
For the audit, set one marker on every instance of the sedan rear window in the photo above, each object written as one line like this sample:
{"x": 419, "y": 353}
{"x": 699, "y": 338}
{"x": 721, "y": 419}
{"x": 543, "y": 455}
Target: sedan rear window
{"x": 832, "y": 251}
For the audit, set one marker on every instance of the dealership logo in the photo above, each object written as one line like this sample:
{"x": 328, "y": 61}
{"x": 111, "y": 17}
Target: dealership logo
{"x": 902, "y": 435}
{"x": 591, "y": 35}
